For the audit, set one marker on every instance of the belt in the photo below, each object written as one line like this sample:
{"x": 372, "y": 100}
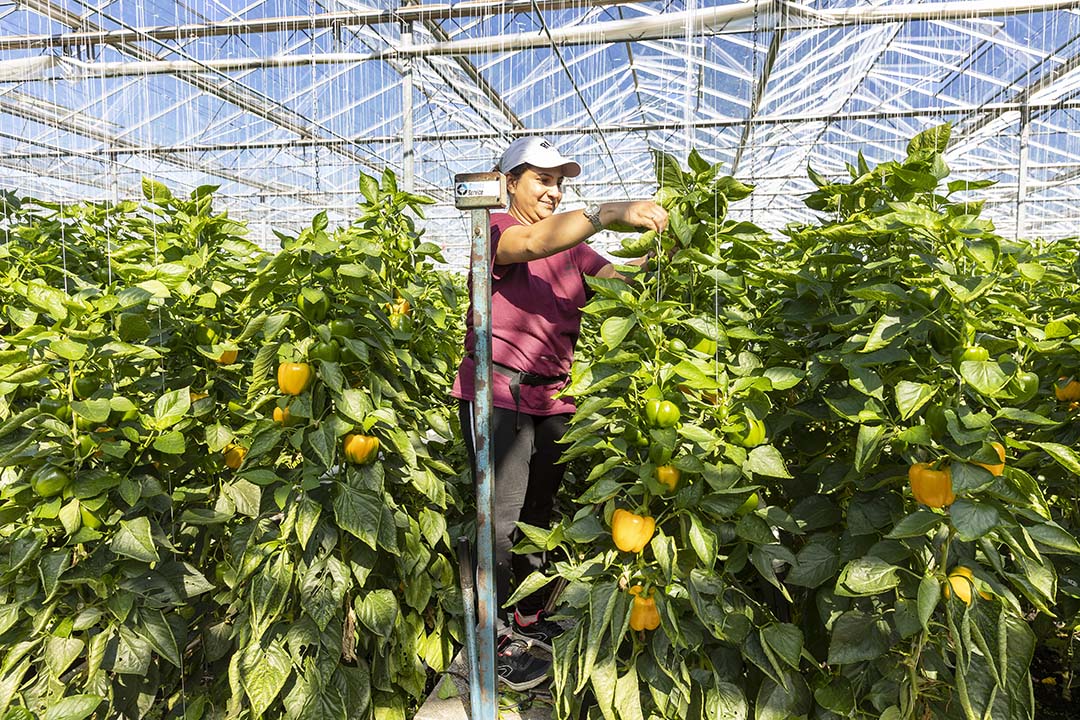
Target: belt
{"x": 519, "y": 378}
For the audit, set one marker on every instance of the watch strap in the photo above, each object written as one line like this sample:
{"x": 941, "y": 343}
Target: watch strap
{"x": 592, "y": 213}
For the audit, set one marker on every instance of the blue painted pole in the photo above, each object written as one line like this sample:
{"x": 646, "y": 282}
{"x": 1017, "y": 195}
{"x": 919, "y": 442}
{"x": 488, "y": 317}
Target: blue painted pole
{"x": 486, "y": 706}
{"x": 468, "y": 599}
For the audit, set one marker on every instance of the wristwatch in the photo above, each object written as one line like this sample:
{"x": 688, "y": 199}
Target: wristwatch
{"x": 592, "y": 214}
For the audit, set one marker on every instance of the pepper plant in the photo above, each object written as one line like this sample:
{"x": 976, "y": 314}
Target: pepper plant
{"x": 189, "y": 528}
{"x": 819, "y": 379}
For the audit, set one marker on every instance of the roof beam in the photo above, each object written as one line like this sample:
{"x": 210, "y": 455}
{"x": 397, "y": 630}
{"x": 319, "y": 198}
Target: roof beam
{"x": 407, "y": 13}
{"x": 224, "y": 87}
{"x": 674, "y": 124}
{"x": 88, "y": 130}
{"x": 478, "y": 80}
{"x": 740, "y": 17}
{"x": 759, "y": 88}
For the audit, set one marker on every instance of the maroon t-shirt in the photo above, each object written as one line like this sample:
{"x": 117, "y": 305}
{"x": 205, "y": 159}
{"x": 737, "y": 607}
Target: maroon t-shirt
{"x": 535, "y": 322}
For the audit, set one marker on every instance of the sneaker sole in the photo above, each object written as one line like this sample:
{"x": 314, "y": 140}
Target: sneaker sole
{"x": 533, "y": 642}
{"x": 527, "y": 685}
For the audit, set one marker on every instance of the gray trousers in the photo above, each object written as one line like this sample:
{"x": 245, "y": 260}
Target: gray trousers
{"x": 527, "y": 478}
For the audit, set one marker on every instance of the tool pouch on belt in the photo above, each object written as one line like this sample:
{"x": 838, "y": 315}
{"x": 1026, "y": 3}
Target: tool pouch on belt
{"x": 519, "y": 378}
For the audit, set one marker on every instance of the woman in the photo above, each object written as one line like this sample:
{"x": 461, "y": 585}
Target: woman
{"x": 538, "y": 290}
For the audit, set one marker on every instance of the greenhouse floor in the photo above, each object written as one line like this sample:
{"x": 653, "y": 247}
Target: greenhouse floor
{"x": 450, "y": 698}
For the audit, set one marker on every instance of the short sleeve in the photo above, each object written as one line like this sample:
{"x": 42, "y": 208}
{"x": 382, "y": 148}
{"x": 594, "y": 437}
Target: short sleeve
{"x": 589, "y": 261}
{"x": 499, "y": 223}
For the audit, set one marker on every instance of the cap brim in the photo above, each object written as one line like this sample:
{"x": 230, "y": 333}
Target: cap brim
{"x": 571, "y": 169}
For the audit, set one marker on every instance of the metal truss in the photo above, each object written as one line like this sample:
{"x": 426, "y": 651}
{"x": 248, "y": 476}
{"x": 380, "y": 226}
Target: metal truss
{"x": 287, "y": 110}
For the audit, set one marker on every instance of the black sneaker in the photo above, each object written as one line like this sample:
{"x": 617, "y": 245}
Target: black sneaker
{"x": 536, "y": 629}
{"x": 519, "y": 669}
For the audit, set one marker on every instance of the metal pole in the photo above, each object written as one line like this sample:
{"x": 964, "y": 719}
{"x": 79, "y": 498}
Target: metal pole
{"x": 1022, "y": 172}
{"x": 486, "y": 708}
{"x": 468, "y": 599}
{"x": 407, "y": 112}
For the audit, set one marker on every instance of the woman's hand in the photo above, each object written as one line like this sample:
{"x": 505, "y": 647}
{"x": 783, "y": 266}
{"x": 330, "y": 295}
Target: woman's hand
{"x": 635, "y": 216}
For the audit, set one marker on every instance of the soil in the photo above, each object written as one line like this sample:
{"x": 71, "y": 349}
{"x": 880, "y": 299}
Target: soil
{"x": 1053, "y": 675}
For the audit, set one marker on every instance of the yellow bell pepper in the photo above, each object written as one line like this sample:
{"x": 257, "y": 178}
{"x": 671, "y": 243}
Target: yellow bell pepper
{"x": 631, "y": 532}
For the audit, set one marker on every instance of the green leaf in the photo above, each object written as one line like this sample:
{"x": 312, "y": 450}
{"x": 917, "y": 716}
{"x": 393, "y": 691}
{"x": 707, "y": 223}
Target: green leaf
{"x": 867, "y": 576}
{"x": 378, "y": 611}
{"x": 263, "y": 672}
{"x": 857, "y": 637}
{"x": 134, "y": 540}
{"x": 726, "y": 700}
{"x": 786, "y": 641}
{"x": 246, "y": 496}
{"x": 917, "y": 524}
{"x": 1032, "y": 272}
{"x": 73, "y": 707}
{"x": 60, "y": 652}
{"x": 972, "y": 520}
{"x": 171, "y": 443}
{"x": 986, "y": 377}
{"x": 47, "y": 298}
{"x": 668, "y": 172}
{"x": 1062, "y": 455}
{"x": 155, "y": 191}
{"x": 171, "y": 408}
{"x": 935, "y": 139}
{"x": 531, "y": 584}
{"x": 369, "y": 188}
{"x": 614, "y": 330}
{"x": 1022, "y": 416}
{"x": 968, "y": 478}
{"x": 68, "y": 349}
{"x": 815, "y": 564}
{"x": 766, "y": 460}
{"x": 156, "y": 630}
{"x": 1056, "y": 538}
{"x": 355, "y": 405}
{"x": 837, "y": 696}
{"x": 628, "y": 696}
{"x": 885, "y": 329}
{"x": 269, "y": 591}
{"x": 70, "y": 516}
{"x": 51, "y": 566}
{"x": 703, "y": 541}
{"x": 359, "y": 513}
{"x": 784, "y": 378}
{"x": 868, "y": 445}
{"x": 604, "y": 679}
{"x": 929, "y": 596}
{"x": 96, "y": 411}
{"x": 911, "y": 396}
{"x": 601, "y": 606}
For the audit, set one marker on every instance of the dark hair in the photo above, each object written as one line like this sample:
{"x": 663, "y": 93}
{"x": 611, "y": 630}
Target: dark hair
{"x": 514, "y": 172}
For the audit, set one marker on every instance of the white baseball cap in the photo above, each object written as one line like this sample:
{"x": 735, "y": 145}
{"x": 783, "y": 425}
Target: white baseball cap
{"x": 538, "y": 152}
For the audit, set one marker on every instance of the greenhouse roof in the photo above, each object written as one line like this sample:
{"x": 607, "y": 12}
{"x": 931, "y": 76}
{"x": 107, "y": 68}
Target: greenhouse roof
{"x": 284, "y": 103}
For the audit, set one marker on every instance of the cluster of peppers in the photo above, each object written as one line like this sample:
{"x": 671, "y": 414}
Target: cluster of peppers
{"x": 632, "y": 532}
{"x": 931, "y": 485}
{"x": 293, "y": 378}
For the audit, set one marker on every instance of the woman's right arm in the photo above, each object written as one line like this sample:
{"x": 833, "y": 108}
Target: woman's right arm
{"x": 562, "y": 231}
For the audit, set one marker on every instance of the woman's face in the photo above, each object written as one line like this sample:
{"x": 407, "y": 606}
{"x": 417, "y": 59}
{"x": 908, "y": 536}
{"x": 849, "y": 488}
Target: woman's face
{"x": 535, "y": 194}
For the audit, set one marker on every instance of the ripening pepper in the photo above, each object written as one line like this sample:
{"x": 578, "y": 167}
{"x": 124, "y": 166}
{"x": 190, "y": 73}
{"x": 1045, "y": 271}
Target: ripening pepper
{"x": 293, "y": 378}
{"x": 930, "y": 487}
{"x": 962, "y": 581}
{"x": 360, "y": 449}
{"x": 1067, "y": 389}
{"x": 668, "y": 475}
{"x": 234, "y": 455}
{"x": 643, "y": 614}
{"x": 631, "y": 532}
{"x": 995, "y": 468}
